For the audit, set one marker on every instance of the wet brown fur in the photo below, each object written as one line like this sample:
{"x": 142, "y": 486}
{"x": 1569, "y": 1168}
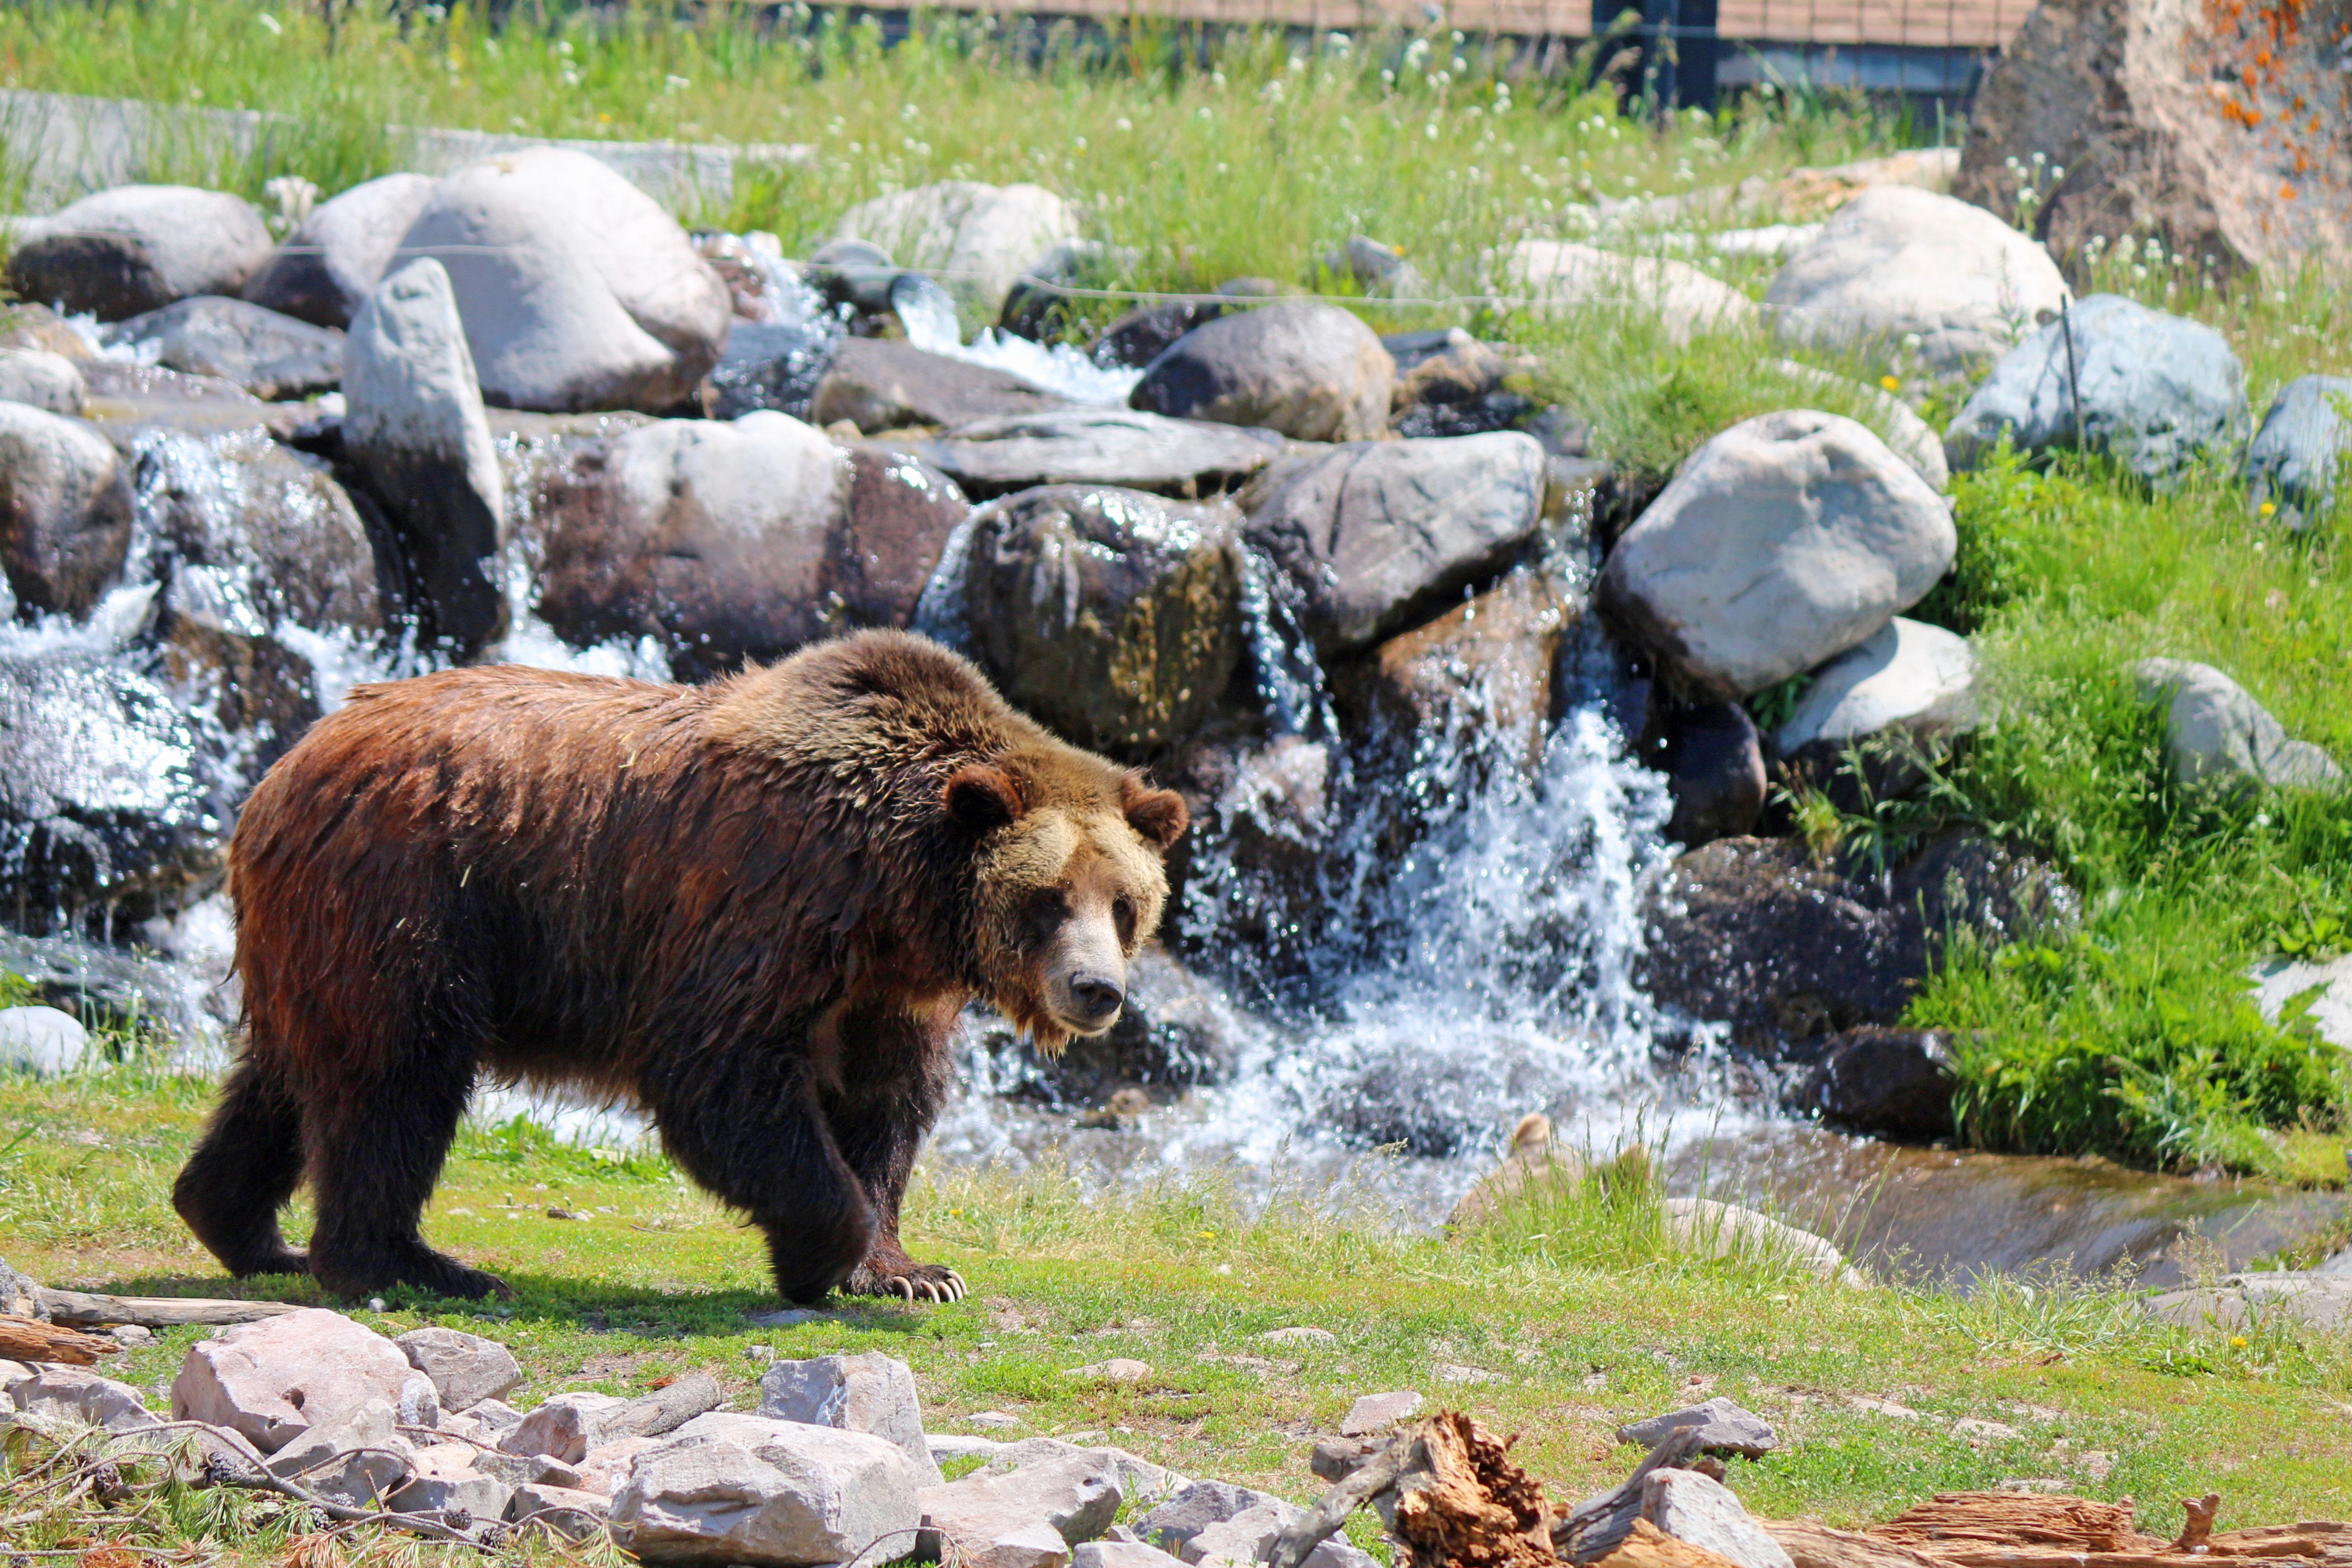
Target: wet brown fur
{"x": 755, "y": 908}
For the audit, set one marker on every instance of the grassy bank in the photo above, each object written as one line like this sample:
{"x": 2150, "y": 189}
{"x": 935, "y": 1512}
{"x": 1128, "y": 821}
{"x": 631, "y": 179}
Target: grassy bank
{"x": 1568, "y": 1320}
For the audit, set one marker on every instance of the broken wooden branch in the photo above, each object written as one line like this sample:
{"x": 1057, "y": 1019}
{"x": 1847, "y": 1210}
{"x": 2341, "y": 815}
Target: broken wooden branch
{"x": 1955, "y": 1521}
{"x": 1593, "y": 1529}
{"x": 30, "y": 1340}
{"x": 1811, "y": 1544}
{"x": 663, "y": 1410}
{"x": 82, "y": 1310}
{"x": 2196, "y": 1527}
{"x": 1647, "y": 1546}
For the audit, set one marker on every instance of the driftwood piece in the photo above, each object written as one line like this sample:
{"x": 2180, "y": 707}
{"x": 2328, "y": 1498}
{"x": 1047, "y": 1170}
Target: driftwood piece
{"x": 29, "y": 1339}
{"x": 1593, "y": 1529}
{"x": 2196, "y": 1527}
{"x": 651, "y": 1415}
{"x": 1647, "y": 1546}
{"x": 1449, "y": 1494}
{"x": 1958, "y": 1520}
{"x": 1361, "y": 1476}
{"x": 83, "y": 1309}
{"x": 1811, "y": 1544}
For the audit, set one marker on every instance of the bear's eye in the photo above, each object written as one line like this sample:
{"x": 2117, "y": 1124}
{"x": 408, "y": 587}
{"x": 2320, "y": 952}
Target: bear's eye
{"x": 1122, "y": 914}
{"x": 1044, "y": 917}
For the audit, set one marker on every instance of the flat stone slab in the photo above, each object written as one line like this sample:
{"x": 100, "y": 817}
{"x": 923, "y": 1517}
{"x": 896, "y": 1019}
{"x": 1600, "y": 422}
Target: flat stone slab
{"x": 2317, "y": 1299}
{"x": 1378, "y": 1412}
{"x": 1101, "y": 446}
{"x": 1723, "y": 1428}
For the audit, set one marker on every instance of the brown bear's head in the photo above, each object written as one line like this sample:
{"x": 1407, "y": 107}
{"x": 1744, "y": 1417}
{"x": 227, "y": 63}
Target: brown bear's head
{"x": 1069, "y": 880}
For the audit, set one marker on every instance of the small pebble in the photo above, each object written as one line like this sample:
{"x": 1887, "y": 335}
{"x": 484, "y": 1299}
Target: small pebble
{"x": 759, "y": 1352}
{"x": 375, "y": 1303}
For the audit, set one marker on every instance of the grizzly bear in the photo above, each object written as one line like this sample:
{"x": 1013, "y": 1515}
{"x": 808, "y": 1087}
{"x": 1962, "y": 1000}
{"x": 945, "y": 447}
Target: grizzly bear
{"x": 755, "y": 908}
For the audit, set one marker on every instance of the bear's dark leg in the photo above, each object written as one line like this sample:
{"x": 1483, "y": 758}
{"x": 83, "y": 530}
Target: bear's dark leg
{"x": 879, "y": 1120}
{"x": 376, "y": 1149}
{"x": 248, "y": 1165}
{"x": 743, "y": 1121}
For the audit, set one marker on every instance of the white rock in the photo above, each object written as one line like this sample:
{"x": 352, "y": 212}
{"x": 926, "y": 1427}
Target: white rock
{"x": 272, "y": 1381}
{"x": 42, "y": 380}
{"x": 980, "y": 237}
{"x": 569, "y": 1512}
{"x": 1783, "y": 541}
{"x": 1909, "y": 674}
{"x": 1120, "y": 1554}
{"x": 496, "y": 1417}
{"x": 1299, "y": 1335}
{"x": 76, "y": 1394}
{"x": 1988, "y": 1431}
{"x": 1140, "y": 1482}
{"x": 1565, "y": 274}
{"x": 328, "y": 267}
{"x": 356, "y": 1459}
{"x": 1703, "y": 1511}
{"x": 13, "y": 1375}
{"x": 443, "y": 1478}
{"x": 578, "y": 290}
{"x": 415, "y": 428}
{"x": 2215, "y": 731}
{"x": 1912, "y": 438}
{"x": 1729, "y": 1230}
{"x": 987, "y": 1515}
{"x": 870, "y": 1392}
{"x": 946, "y": 1446}
{"x": 604, "y": 1467}
{"x": 2278, "y": 981}
{"x": 1378, "y": 1412}
{"x": 745, "y": 1488}
{"x": 135, "y": 248}
{"x": 41, "y": 1040}
{"x": 559, "y": 1427}
{"x": 466, "y": 1369}
{"x": 1897, "y": 262}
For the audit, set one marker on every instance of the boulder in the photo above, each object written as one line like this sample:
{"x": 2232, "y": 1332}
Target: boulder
{"x": 65, "y": 511}
{"x": 1215, "y": 1524}
{"x": 2154, "y": 391}
{"x": 36, "y": 377}
{"x": 1729, "y": 1230}
{"x": 1120, "y": 1554}
{"x": 135, "y": 248}
{"x": 1143, "y": 334}
{"x": 2279, "y": 981}
{"x": 1910, "y": 438}
{"x": 869, "y": 1393}
{"x": 1783, "y": 541}
{"x": 1120, "y": 446}
{"x": 2310, "y": 1298}
{"x": 577, "y": 289}
{"x": 730, "y": 1488}
{"x": 29, "y": 326}
{"x": 1374, "y": 1413}
{"x": 882, "y": 384}
{"x": 1714, "y": 765}
{"x": 1898, "y": 263}
{"x": 1313, "y": 371}
{"x": 42, "y": 1041}
{"x": 1111, "y": 616}
{"x": 2216, "y": 732}
{"x": 1908, "y": 675}
{"x": 414, "y": 431}
{"x": 1703, "y": 1513}
{"x": 327, "y": 267}
{"x": 1562, "y": 274}
{"x": 1141, "y": 1484}
{"x": 1889, "y": 1083}
{"x": 2296, "y": 458}
{"x": 569, "y": 1512}
{"x": 1475, "y": 683}
{"x": 980, "y": 237}
{"x": 1377, "y": 268}
{"x": 76, "y": 1395}
{"x": 1375, "y": 532}
{"x": 466, "y": 1369}
{"x": 1723, "y": 1427}
{"x": 442, "y": 1480}
{"x": 272, "y": 356}
{"x": 560, "y": 1427}
{"x": 356, "y": 1456}
{"x": 2222, "y": 133}
{"x": 272, "y": 1381}
{"x": 987, "y": 1518}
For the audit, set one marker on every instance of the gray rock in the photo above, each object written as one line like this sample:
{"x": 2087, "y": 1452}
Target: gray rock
{"x": 980, "y": 237}
{"x": 1112, "y": 615}
{"x": 744, "y": 1489}
{"x": 1723, "y": 1428}
{"x": 1313, "y": 371}
{"x": 414, "y": 429}
{"x": 42, "y": 1041}
{"x": 1120, "y": 1554}
{"x": 136, "y": 249}
{"x": 496, "y": 1417}
{"x": 1910, "y": 438}
{"x": 2314, "y": 1298}
{"x": 49, "y": 381}
{"x": 20, "y": 1297}
{"x": 357, "y": 1458}
{"x": 1732, "y": 1230}
{"x": 569, "y": 1512}
{"x": 273, "y": 356}
{"x": 1213, "y": 1524}
{"x": 2155, "y": 391}
{"x": 65, "y": 511}
{"x": 1375, "y": 532}
{"x": 1119, "y": 446}
{"x": 987, "y": 1515}
{"x": 1566, "y": 275}
{"x": 578, "y": 290}
{"x": 1908, "y": 675}
{"x": 1898, "y": 263}
{"x": 1891, "y": 1083}
{"x": 1783, "y": 541}
{"x": 1703, "y": 1511}
{"x": 1174, "y": 1523}
{"x": 73, "y": 1393}
{"x": 272, "y": 1381}
{"x": 466, "y": 1369}
{"x": 869, "y": 1393}
{"x": 559, "y": 1427}
{"x": 882, "y": 384}
{"x": 1378, "y": 269}
{"x": 2278, "y": 981}
{"x": 516, "y": 1469}
{"x": 946, "y": 1446}
{"x": 2298, "y": 457}
{"x": 1378, "y": 1412}
{"x": 443, "y": 1478}
{"x": 2215, "y": 731}
{"x": 604, "y": 1467}
{"x": 1141, "y": 1483}
{"x": 327, "y": 267}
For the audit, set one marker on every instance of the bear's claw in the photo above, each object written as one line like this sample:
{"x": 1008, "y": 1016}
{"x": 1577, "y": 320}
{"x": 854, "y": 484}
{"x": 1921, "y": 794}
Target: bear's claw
{"x": 919, "y": 1282}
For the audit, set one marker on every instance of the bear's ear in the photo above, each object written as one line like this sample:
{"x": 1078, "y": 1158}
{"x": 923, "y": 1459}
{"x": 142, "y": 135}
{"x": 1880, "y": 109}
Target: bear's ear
{"x": 1157, "y": 814}
{"x": 979, "y": 797}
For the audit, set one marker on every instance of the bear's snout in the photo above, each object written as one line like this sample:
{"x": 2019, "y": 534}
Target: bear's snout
{"x": 1094, "y": 1000}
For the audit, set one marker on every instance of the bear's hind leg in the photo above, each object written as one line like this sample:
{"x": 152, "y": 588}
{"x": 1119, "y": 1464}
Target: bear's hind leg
{"x": 247, "y": 1165}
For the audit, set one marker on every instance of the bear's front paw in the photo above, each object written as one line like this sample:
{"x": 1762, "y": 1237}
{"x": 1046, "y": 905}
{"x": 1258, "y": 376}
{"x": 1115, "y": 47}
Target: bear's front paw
{"x": 905, "y": 1280}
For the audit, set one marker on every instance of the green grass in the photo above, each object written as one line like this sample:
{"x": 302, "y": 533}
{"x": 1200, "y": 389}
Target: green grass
{"x": 1579, "y": 1314}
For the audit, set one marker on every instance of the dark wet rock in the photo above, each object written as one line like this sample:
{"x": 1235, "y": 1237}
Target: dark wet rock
{"x": 1723, "y": 1427}
{"x": 2297, "y": 458}
{"x": 329, "y": 266}
{"x": 1263, "y": 812}
{"x": 1174, "y": 1034}
{"x": 1143, "y": 334}
{"x": 273, "y": 356}
{"x": 771, "y": 364}
{"x": 1112, "y": 615}
{"x": 1450, "y": 384}
{"x": 1891, "y": 1083}
{"x": 853, "y": 272}
{"x": 65, "y": 511}
{"x": 136, "y": 249}
{"x": 1374, "y": 533}
{"x": 878, "y": 383}
{"x": 737, "y": 541}
{"x": 2155, "y": 391}
{"x": 1963, "y": 880}
{"x": 1313, "y": 371}
{"x": 1119, "y": 446}
{"x": 1714, "y": 765}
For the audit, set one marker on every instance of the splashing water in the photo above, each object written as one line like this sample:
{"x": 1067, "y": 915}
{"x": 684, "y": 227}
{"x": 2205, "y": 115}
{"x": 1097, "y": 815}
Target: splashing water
{"x": 929, "y": 315}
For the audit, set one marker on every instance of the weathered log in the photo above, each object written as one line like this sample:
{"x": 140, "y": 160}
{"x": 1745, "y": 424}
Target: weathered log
{"x": 31, "y": 1339}
{"x": 83, "y": 1309}
{"x": 1449, "y": 1494}
{"x": 1811, "y": 1544}
{"x": 1955, "y": 1521}
{"x": 654, "y": 1414}
{"x": 1647, "y": 1546}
